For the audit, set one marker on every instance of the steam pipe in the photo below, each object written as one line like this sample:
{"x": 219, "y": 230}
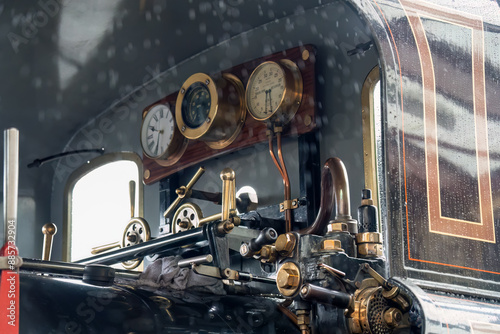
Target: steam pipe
{"x": 286, "y": 181}
{"x": 334, "y": 191}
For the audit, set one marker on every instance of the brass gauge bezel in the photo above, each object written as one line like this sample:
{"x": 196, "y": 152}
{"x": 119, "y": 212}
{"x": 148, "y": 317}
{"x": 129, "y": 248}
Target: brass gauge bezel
{"x": 175, "y": 148}
{"x": 291, "y": 96}
{"x": 227, "y": 112}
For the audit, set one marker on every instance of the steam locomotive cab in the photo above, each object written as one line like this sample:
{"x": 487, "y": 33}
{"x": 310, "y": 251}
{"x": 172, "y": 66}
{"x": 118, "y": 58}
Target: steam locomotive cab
{"x": 254, "y": 167}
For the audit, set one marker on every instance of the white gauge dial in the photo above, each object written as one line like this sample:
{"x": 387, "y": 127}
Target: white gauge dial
{"x": 157, "y": 131}
{"x": 265, "y": 90}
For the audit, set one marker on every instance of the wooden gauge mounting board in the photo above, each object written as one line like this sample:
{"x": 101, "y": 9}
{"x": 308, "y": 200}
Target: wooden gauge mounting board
{"x": 253, "y": 131}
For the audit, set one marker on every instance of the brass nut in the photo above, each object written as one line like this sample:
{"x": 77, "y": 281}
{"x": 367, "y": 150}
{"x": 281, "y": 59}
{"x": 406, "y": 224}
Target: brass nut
{"x": 286, "y": 243}
{"x": 268, "y": 253}
{"x": 393, "y": 317}
{"x": 225, "y": 227}
{"x": 287, "y": 279}
{"x": 184, "y": 223}
{"x": 331, "y": 245}
{"x": 371, "y": 237}
{"x": 370, "y": 250}
{"x": 337, "y": 227}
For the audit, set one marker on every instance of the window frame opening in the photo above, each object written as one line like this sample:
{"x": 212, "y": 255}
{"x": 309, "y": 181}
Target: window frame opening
{"x": 84, "y": 170}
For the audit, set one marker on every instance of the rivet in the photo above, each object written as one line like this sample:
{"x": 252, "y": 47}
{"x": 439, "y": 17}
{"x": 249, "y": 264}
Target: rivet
{"x": 307, "y": 120}
{"x": 305, "y": 55}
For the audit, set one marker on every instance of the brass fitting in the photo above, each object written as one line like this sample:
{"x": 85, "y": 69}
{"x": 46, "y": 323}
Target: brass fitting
{"x": 369, "y": 244}
{"x": 393, "y": 317}
{"x": 331, "y": 245}
{"x": 268, "y": 254}
{"x": 303, "y": 320}
{"x": 286, "y": 243}
{"x": 336, "y": 227}
{"x": 225, "y": 227}
{"x": 288, "y": 279}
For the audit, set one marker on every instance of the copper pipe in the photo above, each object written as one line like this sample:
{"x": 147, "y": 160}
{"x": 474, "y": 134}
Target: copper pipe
{"x": 286, "y": 182}
{"x": 271, "y": 151}
{"x": 334, "y": 187}
{"x": 288, "y": 313}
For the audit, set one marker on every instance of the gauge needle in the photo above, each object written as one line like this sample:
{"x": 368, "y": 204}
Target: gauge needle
{"x": 270, "y": 102}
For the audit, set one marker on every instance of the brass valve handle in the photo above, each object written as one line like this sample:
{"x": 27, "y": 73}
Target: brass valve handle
{"x": 184, "y": 192}
{"x": 48, "y": 230}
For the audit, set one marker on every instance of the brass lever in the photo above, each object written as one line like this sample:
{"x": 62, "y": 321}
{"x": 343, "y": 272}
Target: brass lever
{"x": 99, "y": 249}
{"x": 184, "y": 192}
{"x": 229, "y": 219}
{"x": 48, "y": 230}
{"x": 136, "y": 231}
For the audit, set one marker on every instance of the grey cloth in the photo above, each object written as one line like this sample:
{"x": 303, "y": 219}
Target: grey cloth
{"x": 164, "y": 273}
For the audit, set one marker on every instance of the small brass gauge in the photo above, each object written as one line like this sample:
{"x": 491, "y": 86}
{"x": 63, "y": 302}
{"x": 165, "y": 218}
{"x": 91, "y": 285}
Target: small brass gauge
{"x": 211, "y": 109}
{"x": 160, "y": 138}
{"x": 274, "y": 91}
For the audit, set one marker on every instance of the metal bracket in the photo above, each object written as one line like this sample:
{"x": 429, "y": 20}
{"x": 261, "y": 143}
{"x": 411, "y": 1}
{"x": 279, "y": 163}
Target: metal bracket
{"x": 209, "y": 271}
{"x": 289, "y": 204}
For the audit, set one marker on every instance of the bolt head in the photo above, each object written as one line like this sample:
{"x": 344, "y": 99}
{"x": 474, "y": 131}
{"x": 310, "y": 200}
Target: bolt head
{"x": 287, "y": 279}
{"x": 285, "y": 243}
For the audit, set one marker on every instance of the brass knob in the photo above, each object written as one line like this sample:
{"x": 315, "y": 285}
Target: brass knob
{"x": 286, "y": 243}
{"x": 49, "y": 228}
{"x": 227, "y": 174}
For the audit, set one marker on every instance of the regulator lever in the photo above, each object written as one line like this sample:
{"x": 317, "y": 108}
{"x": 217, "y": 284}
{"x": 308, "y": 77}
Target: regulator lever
{"x": 184, "y": 192}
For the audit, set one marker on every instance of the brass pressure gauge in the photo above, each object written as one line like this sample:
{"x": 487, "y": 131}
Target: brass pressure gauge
{"x": 160, "y": 138}
{"x": 211, "y": 109}
{"x": 274, "y": 91}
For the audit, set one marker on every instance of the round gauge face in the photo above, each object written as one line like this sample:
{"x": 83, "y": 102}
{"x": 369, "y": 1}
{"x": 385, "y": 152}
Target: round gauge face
{"x": 265, "y": 90}
{"x": 196, "y": 105}
{"x": 157, "y": 131}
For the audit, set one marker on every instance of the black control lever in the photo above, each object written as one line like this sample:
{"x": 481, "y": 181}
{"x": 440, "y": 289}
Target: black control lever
{"x": 266, "y": 237}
